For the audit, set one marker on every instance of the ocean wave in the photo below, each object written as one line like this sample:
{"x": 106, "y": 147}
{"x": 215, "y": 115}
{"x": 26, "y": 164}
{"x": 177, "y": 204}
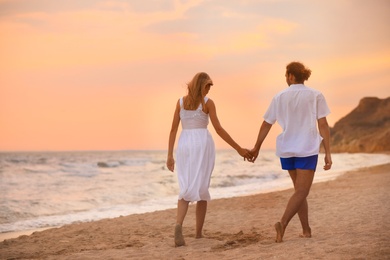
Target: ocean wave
{"x": 137, "y": 181}
{"x": 108, "y": 164}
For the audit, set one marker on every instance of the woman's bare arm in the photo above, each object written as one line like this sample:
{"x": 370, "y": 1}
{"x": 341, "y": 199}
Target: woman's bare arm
{"x": 172, "y": 137}
{"x": 222, "y": 132}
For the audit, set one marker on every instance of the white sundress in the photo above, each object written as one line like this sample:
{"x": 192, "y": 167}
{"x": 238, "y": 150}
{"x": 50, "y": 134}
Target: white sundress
{"x": 195, "y": 155}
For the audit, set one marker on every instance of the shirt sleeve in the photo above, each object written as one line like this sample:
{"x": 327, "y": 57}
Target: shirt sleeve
{"x": 322, "y": 107}
{"x": 270, "y": 115}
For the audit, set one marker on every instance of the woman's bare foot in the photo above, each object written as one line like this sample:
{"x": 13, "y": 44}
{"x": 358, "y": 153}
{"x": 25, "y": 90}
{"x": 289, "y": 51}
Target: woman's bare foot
{"x": 279, "y": 232}
{"x": 179, "y": 239}
{"x": 199, "y": 236}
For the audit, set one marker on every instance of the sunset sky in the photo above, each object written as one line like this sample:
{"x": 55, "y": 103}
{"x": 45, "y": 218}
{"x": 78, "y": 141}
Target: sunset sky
{"x": 106, "y": 75}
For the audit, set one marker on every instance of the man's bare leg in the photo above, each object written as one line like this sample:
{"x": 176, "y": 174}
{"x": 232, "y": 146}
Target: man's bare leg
{"x": 303, "y": 214}
{"x": 303, "y": 211}
{"x": 302, "y": 184}
{"x": 279, "y": 232}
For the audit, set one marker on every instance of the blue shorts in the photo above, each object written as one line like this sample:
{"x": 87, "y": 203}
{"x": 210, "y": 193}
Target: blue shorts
{"x": 304, "y": 163}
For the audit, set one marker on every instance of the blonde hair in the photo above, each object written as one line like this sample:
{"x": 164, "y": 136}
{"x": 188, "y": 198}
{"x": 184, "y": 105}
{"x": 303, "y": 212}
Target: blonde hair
{"x": 196, "y": 91}
{"x": 300, "y": 72}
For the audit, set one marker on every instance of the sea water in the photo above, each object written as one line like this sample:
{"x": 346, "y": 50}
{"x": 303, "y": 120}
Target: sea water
{"x": 46, "y": 189}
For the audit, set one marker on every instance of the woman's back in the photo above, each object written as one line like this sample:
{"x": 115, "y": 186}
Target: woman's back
{"x": 193, "y": 119}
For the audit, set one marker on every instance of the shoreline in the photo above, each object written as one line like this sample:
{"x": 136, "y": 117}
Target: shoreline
{"x": 349, "y": 219}
{"x": 227, "y": 182}
{"x": 284, "y": 185}
{"x": 16, "y": 234}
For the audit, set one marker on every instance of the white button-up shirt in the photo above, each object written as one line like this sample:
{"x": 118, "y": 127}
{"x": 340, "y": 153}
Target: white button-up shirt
{"x": 297, "y": 110}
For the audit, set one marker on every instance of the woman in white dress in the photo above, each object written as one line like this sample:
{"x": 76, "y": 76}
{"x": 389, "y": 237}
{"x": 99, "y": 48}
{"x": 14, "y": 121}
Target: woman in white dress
{"x": 195, "y": 151}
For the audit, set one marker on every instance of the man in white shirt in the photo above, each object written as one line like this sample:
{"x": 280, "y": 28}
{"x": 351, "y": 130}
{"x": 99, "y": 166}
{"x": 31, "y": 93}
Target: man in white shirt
{"x": 298, "y": 110}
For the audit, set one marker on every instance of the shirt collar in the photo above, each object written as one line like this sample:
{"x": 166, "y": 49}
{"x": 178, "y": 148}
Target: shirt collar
{"x": 297, "y": 86}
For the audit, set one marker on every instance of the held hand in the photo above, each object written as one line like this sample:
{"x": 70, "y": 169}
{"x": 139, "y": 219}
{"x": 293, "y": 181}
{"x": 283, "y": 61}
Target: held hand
{"x": 249, "y": 156}
{"x": 328, "y": 162}
{"x": 255, "y": 153}
{"x": 171, "y": 163}
{"x": 246, "y": 154}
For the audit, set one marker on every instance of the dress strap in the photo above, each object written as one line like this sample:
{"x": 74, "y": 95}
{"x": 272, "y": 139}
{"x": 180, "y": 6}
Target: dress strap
{"x": 205, "y": 101}
{"x": 200, "y": 105}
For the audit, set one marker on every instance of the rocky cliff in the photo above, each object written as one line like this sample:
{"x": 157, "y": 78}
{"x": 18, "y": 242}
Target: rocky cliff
{"x": 364, "y": 130}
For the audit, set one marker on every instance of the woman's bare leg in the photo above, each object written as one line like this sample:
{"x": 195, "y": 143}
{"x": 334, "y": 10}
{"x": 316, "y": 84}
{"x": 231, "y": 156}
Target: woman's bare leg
{"x": 182, "y": 208}
{"x": 201, "y": 208}
{"x": 303, "y": 182}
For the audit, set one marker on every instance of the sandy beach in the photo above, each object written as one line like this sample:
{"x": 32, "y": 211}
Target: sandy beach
{"x": 349, "y": 220}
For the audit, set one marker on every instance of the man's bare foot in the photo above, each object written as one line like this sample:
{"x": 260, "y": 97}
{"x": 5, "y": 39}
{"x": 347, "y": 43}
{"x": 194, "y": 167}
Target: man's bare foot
{"x": 179, "y": 239}
{"x": 306, "y": 233}
{"x": 279, "y": 232}
{"x": 199, "y": 236}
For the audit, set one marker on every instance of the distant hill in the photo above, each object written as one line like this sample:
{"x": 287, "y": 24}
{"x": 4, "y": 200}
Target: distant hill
{"x": 364, "y": 130}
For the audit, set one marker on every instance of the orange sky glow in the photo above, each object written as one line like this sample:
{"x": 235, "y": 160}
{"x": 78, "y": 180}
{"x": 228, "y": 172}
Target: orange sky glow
{"x": 106, "y": 74}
